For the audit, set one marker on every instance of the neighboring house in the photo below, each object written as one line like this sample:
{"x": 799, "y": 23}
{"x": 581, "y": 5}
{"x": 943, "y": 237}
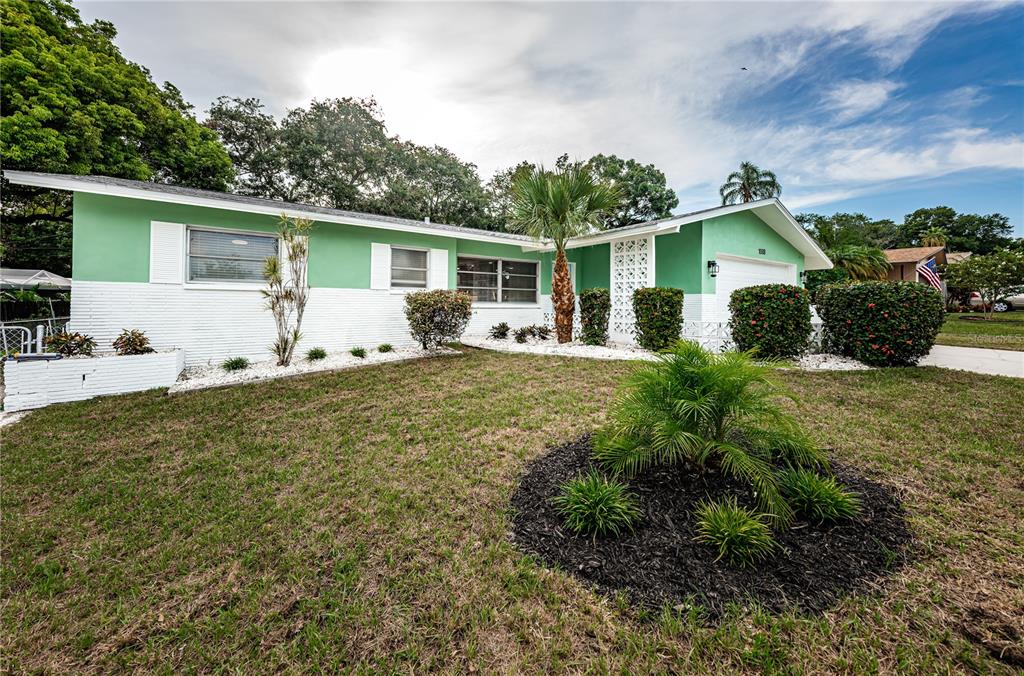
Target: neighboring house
{"x": 185, "y": 266}
{"x": 15, "y": 278}
{"x": 957, "y": 256}
{"x": 904, "y": 262}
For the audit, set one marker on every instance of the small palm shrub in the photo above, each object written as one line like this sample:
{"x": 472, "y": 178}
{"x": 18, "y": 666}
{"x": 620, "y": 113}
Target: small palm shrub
{"x": 70, "y": 344}
{"x": 816, "y": 497}
{"x": 774, "y": 319}
{"x": 595, "y": 307}
{"x": 235, "y": 364}
{"x": 740, "y": 536}
{"x": 384, "y": 347}
{"x": 593, "y": 505}
{"x": 880, "y": 323}
{"x": 132, "y": 341}
{"x": 521, "y": 334}
{"x": 659, "y": 317}
{"x": 541, "y": 331}
{"x": 499, "y": 331}
{"x": 358, "y": 352}
{"x": 316, "y": 354}
{"x": 705, "y": 410}
{"x": 437, "y": 317}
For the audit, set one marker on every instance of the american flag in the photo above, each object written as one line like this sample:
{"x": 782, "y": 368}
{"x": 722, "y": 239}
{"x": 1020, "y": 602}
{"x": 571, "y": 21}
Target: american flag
{"x": 927, "y": 270}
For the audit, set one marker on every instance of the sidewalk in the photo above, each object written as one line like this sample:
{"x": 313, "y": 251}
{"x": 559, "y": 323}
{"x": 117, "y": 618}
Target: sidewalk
{"x": 977, "y": 359}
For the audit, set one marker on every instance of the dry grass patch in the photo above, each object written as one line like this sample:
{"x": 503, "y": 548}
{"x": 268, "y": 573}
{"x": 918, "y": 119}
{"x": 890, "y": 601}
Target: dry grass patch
{"x": 359, "y": 519}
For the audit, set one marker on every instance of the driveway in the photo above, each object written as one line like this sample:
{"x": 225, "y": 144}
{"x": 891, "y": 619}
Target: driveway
{"x": 978, "y": 360}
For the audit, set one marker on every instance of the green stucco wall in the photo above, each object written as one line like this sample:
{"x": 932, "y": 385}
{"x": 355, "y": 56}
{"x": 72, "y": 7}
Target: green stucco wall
{"x": 677, "y": 258}
{"x": 111, "y": 242}
{"x": 743, "y": 234}
{"x": 596, "y": 265}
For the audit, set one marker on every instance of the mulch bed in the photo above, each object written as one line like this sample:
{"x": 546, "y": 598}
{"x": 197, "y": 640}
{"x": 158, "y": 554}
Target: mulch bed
{"x": 660, "y": 563}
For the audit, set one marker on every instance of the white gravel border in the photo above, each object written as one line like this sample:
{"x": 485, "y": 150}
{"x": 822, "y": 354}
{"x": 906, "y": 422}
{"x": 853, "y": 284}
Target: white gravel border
{"x": 203, "y": 377}
{"x": 830, "y": 362}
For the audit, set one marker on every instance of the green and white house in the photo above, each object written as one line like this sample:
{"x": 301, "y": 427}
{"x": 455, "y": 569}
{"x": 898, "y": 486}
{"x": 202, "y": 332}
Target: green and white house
{"x": 185, "y": 266}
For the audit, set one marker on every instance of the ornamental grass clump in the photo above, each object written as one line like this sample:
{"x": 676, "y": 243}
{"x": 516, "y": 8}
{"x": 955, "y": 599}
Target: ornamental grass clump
{"x": 316, "y": 354}
{"x": 384, "y": 347}
{"x": 818, "y": 498}
{"x": 739, "y": 535}
{"x": 235, "y": 364}
{"x": 359, "y": 352}
{"x": 595, "y": 506}
{"x": 707, "y": 412}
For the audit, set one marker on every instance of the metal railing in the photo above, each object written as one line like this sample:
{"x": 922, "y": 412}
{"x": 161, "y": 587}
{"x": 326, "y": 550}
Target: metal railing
{"x": 28, "y": 336}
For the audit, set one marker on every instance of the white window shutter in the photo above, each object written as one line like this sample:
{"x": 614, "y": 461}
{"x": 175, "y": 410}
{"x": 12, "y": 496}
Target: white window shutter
{"x": 380, "y": 266}
{"x": 166, "y": 251}
{"x": 437, "y": 269}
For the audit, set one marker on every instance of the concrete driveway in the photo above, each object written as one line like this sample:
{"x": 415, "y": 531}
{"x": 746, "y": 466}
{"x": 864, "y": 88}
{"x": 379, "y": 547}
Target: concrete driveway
{"x": 978, "y": 360}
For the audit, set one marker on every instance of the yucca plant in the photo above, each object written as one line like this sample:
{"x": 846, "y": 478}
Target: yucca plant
{"x": 739, "y": 535}
{"x": 593, "y": 505}
{"x": 316, "y": 354}
{"x": 703, "y": 409}
{"x": 235, "y": 364}
{"x": 818, "y": 498}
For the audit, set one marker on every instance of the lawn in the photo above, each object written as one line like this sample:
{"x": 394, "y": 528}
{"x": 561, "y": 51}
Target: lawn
{"x": 1005, "y": 332}
{"x": 359, "y": 520}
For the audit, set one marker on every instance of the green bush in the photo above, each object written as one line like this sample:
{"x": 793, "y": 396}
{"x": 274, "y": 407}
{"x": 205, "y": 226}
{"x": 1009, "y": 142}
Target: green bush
{"x": 740, "y": 536}
{"x": 540, "y": 331}
{"x": 437, "y": 317}
{"x": 818, "y": 498}
{"x": 316, "y": 354}
{"x": 593, "y": 505}
{"x": 880, "y": 323}
{"x": 595, "y": 307}
{"x": 521, "y": 334}
{"x": 70, "y": 344}
{"x": 773, "y": 319}
{"x": 235, "y": 364}
{"x": 384, "y": 347}
{"x": 358, "y": 352}
{"x": 132, "y": 341}
{"x": 699, "y": 409}
{"x": 499, "y": 331}
{"x": 659, "y": 317}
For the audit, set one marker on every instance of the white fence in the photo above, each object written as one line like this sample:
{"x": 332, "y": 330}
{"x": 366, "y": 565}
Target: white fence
{"x": 27, "y": 336}
{"x": 35, "y": 383}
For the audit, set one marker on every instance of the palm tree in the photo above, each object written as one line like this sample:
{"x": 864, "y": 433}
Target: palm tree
{"x": 748, "y": 184}
{"x": 553, "y": 208}
{"x": 860, "y": 261}
{"x": 933, "y": 236}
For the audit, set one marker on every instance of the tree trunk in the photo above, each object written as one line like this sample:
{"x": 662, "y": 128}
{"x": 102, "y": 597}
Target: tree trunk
{"x": 562, "y": 298}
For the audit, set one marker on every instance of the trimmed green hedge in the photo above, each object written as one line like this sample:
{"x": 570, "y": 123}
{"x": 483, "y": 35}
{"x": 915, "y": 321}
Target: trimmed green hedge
{"x": 774, "y": 319}
{"x": 659, "y": 317}
{"x": 437, "y": 317}
{"x": 595, "y": 306}
{"x": 880, "y": 323}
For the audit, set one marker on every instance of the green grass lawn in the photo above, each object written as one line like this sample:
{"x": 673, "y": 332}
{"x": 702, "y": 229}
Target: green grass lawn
{"x": 1005, "y": 332}
{"x": 358, "y": 520}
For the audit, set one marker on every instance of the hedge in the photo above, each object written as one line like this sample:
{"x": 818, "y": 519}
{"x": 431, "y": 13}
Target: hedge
{"x": 595, "y": 306}
{"x": 880, "y": 323}
{"x": 659, "y": 317}
{"x": 774, "y": 319}
{"x": 436, "y": 317}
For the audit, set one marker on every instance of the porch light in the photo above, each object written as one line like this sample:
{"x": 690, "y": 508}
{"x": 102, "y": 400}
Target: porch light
{"x": 713, "y": 268}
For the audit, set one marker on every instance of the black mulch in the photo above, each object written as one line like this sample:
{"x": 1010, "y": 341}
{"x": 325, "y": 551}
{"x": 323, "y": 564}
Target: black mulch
{"x": 660, "y": 564}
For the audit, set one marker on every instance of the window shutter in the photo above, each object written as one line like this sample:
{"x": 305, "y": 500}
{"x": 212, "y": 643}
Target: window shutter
{"x": 380, "y": 266}
{"x": 437, "y": 269}
{"x": 166, "y": 250}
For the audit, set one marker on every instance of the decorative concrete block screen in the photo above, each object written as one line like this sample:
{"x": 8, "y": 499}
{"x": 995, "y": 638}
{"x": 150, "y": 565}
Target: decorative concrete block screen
{"x": 31, "y": 384}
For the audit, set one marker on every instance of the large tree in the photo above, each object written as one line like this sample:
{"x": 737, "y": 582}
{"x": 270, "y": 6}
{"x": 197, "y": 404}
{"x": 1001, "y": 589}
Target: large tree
{"x": 749, "y": 184}
{"x": 978, "y": 233}
{"x": 852, "y": 242}
{"x": 554, "y": 207}
{"x": 71, "y": 103}
{"x": 993, "y": 276}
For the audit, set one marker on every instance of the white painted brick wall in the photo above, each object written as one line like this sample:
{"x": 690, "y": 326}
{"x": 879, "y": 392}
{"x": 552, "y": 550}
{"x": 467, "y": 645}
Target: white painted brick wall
{"x": 31, "y": 384}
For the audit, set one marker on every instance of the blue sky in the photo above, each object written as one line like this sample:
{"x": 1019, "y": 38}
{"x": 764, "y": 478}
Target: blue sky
{"x": 880, "y": 107}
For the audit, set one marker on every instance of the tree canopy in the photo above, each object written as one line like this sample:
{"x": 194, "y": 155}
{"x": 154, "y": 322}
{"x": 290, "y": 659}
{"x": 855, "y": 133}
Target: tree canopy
{"x": 71, "y": 103}
{"x": 978, "y": 233}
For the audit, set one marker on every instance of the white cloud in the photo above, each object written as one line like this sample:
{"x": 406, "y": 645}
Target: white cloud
{"x": 851, "y": 100}
{"x": 498, "y": 83}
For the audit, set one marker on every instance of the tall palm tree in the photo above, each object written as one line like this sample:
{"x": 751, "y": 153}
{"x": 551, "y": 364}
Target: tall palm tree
{"x": 859, "y": 261}
{"x": 748, "y": 184}
{"x": 553, "y": 208}
{"x": 933, "y": 236}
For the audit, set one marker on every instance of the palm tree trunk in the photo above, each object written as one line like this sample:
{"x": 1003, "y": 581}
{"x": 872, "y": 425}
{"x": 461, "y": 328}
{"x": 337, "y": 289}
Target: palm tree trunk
{"x": 562, "y": 298}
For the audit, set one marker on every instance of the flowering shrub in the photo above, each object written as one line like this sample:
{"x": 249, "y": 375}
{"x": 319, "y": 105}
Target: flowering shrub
{"x": 659, "y": 317}
{"x": 880, "y": 323}
{"x": 774, "y": 319}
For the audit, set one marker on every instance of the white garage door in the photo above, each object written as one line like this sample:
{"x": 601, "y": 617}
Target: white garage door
{"x": 734, "y": 273}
